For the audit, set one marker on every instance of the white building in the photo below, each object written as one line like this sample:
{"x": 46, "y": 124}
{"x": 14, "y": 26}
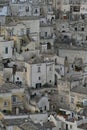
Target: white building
{"x": 16, "y": 29}
{"x": 32, "y": 27}
{"x": 47, "y": 35}
{"x": 23, "y": 32}
{"x": 63, "y": 5}
{"x": 59, "y": 68}
{"x": 72, "y": 53}
{"x": 4, "y": 11}
{"x": 25, "y": 8}
{"x": 40, "y": 72}
{"x": 15, "y": 1}
{"x": 83, "y": 9}
{"x": 43, "y": 103}
{"x": 6, "y": 48}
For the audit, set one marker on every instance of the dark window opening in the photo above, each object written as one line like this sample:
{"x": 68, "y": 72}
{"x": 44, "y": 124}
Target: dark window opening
{"x": 36, "y": 11}
{"x": 70, "y": 126}
{"x": 63, "y": 31}
{"x": 14, "y": 98}
{"x": 28, "y": 31}
{"x": 45, "y": 34}
{"x": 66, "y": 126}
{"x": 27, "y": 9}
{"x": 50, "y": 81}
{"x": 39, "y": 69}
{"x": 39, "y": 78}
{"x": 25, "y": 69}
{"x": 17, "y": 78}
{"x": 6, "y": 50}
{"x": 75, "y": 28}
{"x": 55, "y": 61}
{"x": 61, "y": 100}
{"x": 38, "y": 85}
{"x": 7, "y": 79}
{"x": 5, "y": 103}
{"x": 82, "y": 29}
{"x": 86, "y": 37}
{"x": 45, "y": 107}
{"x": 65, "y": 37}
{"x": 48, "y": 45}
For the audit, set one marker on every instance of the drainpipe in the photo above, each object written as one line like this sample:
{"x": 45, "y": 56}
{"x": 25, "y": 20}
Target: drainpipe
{"x": 14, "y": 71}
{"x": 55, "y": 4}
{"x": 46, "y": 73}
{"x": 0, "y": 28}
{"x": 31, "y": 75}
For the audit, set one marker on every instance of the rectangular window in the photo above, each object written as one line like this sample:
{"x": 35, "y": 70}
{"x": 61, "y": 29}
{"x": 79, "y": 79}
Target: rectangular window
{"x": 55, "y": 61}
{"x": 17, "y": 78}
{"x": 82, "y": 29}
{"x": 72, "y": 100}
{"x": 6, "y": 50}
{"x": 66, "y": 126}
{"x": 45, "y": 34}
{"x": 22, "y": 31}
{"x": 50, "y": 81}
{"x": 28, "y": 31}
{"x": 86, "y": 37}
{"x": 25, "y": 69}
{"x": 61, "y": 100}
{"x": 14, "y": 98}
{"x": 39, "y": 69}
{"x": 5, "y": 103}
{"x": 70, "y": 126}
{"x": 27, "y": 9}
{"x": 76, "y": 8}
{"x": 39, "y": 78}
{"x": 75, "y": 28}
{"x": 20, "y": 7}
{"x": 50, "y": 69}
{"x": 11, "y": 33}
{"x": 36, "y": 11}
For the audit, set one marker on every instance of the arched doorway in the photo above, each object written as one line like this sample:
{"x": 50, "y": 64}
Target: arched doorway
{"x": 52, "y": 19}
{"x": 48, "y": 45}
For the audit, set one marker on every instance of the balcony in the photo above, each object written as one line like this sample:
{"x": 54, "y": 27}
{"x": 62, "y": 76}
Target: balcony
{"x": 47, "y": 37}
{"x": 42, "y": 37}
{"x": 17, "y": 104}
{"x": 47, "y": 23}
